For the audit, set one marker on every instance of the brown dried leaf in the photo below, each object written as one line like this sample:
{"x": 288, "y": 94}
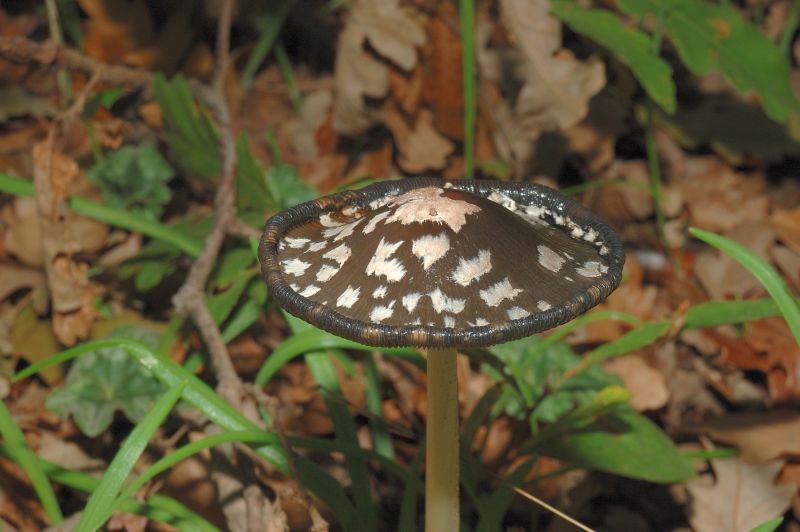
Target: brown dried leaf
{"x": 421, "y": 147}
{"x": 647, "y": 385}
{"x": 442, "y": 72}
{"x": 71, "y": 292}
{"x": 33, "y": 340}
{"x": 743, "y": 497}
{"x": 720, "y": 199}
{"x": 557, "y": 87}
{"x": 788, "y": 261}
{"x": 394, "y": 35}
{"x": 760, "y": 436}
{"x": 721, "y": 276}
{"x": 787, "y": 225}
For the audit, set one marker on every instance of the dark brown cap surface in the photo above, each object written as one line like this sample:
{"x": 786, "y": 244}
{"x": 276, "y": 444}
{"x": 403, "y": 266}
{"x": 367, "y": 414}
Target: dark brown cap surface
{"x": 435, "y": 263}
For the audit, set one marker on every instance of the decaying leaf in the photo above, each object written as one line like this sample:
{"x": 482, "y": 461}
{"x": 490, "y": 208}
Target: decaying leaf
{"x": 442, "y": 72}
{"x": 722, "y": 276}
{"x": 759, "y": 436}
{"x": 72, "y": 294}
{"x": 647, "y": 385}
{"x": 787, "y": 225}
{"x": 33, "y": 339}
{"x": 394, "y": 35}
{"x": 742, "y": 497}
{"x": 421, "y": 147}
{"x": 557, "y": 86}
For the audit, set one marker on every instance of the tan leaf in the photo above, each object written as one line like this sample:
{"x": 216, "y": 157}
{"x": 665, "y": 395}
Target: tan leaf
{"x": 33, "y": 340}
{"x": 742, "y": 497}
{"x": 442, "y": 72}
{"x": 394, "y": 35}
{"x": 72, "y": 295}
{"x": 721, "y": 276}
{"x": 557, "y": 86}
{"x": 761, "y": 437}
{"x": 647, "y": 385}
{"x": 787, "y": 225}
{"x": 421, "y": 146}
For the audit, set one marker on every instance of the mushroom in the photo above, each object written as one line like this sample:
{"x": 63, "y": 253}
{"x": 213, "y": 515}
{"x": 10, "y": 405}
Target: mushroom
{"x": 440, "y": 265}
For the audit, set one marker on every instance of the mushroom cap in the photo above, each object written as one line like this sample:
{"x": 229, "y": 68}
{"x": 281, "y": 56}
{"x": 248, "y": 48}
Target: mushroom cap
{"x": 431, "y": 263}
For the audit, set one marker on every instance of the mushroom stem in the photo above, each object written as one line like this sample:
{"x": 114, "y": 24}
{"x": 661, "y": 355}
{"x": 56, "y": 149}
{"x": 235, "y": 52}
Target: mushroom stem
{"x": 441, "y": 446}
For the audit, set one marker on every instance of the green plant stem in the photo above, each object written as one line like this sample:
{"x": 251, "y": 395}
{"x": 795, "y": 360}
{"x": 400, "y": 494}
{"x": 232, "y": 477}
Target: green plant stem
{"x": 285, "y": 66}
{"x": 441, "y": 442}
{"x": 467, "y": 9}
{"x": 54, "y": 26}
{"x": 789, "y": 28}
{"x": 655, "y": 185}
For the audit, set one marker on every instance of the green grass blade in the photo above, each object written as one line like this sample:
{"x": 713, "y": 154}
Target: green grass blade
{"x": 197, "y": 393}
{"x": 96, "y": 211}
{"x": 411, "y": 495}
{"x": 100, "y": 505}
{"x": 324, "y": 374}
{"x": 285, "y": 66}
{"x": 157, "y": 508}
{"x": 631, "y": 341}
{"x": 182, "y": 453}
{"x": 769, "y": 526}
{"x": 467, "y": 14}
{"x": 315, "y": 340}
{"x": 765, "y": 274}
{"x": 18, "y": 450}
{"x": 269, "y": 26}
{"x": 713, "y": 313}
{"x": 382, "y": 440}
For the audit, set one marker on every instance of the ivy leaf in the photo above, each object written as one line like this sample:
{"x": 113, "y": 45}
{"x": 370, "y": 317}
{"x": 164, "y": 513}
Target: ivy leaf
{"x": 134, "y": 178}
{"x": 101, "y": 382}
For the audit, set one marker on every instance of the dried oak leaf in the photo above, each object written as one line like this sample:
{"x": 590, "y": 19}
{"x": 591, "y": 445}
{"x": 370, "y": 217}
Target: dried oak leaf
{"x": 557, "y": 86}
{"x": 760, "y": 436}
{"x": 393, "y": 35}
{"x": 787, "y": 225}
{"x": 723, "y": 277}
{"x": 743, "y": 497}
{"x": 719, "y": 199}
{"x": 421, "y": 147}
{"x": 647, "y": 385}
{"x": 72, "y": 294}
{"x": 442, "y": 72}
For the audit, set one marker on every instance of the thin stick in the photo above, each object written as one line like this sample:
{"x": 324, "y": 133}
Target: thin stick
{"x": 441, "y": 445}
{"x": 553, "y": 509}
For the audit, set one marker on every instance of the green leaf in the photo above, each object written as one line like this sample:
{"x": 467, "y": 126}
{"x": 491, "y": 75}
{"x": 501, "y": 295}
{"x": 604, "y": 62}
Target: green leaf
{"x": 534, "y": 371}
{"x": 766, "y": 275}
{"x": 638, "y": 338}
{"x": 189, "y": 133}
{"x": 713, "y": 37}
{"x": 631, "y": 46}
{"x": 624, "y": 443}
{"x": 253, "y": 196}
{"x": 769, "y": 526}
{"x": 104, "y": 381}
{"x": 134, "y": 178}
{"x": 287, "y": 188}
{"x": 100, "y": 505}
